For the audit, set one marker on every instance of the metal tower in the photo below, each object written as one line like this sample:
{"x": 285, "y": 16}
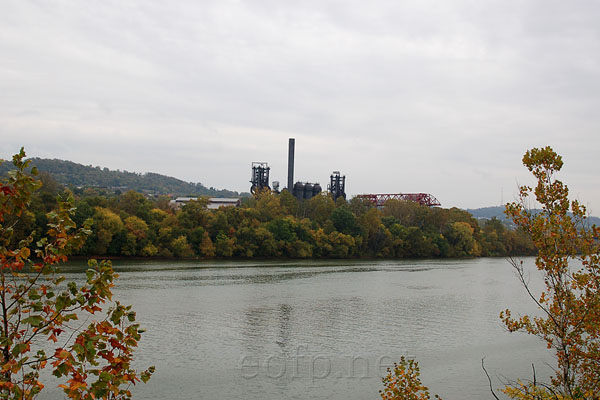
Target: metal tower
{"x": 260, "y": 177}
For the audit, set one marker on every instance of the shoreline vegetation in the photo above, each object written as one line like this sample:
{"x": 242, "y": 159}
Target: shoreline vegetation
{"x": 271, "y": 226}
{"x": 74, "y": 330}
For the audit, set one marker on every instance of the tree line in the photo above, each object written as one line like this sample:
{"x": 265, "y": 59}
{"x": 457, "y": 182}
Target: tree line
{"x": 274, "y": 226}
{"x": 73, "y": 174}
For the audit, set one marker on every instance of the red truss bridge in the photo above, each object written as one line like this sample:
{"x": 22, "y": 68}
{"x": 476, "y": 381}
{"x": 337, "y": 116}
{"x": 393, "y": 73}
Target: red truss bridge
{"x": 423, "y": 199}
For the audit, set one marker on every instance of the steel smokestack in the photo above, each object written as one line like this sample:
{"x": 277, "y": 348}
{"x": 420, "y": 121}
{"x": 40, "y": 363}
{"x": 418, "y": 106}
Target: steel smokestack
{"x": 291, "y": 149}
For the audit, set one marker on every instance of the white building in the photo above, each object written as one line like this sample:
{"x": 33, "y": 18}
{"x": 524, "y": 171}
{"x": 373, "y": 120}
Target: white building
{"x": 213, "y": 202}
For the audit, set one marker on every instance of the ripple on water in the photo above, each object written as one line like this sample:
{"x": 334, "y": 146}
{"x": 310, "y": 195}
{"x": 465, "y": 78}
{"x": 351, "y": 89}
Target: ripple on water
{"x": 204, "y": 319}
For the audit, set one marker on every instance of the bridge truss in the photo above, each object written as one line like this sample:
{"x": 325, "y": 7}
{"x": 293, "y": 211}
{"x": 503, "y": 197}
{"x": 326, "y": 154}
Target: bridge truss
{"x": 422, "y": 198}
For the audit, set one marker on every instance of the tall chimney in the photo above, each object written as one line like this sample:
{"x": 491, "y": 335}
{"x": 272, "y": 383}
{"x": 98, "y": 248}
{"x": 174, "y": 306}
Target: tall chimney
{"x": 290, "y": 184}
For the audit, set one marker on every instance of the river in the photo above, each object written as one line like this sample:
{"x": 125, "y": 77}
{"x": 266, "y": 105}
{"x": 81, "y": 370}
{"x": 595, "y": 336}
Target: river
{"x": 323, "y": 329}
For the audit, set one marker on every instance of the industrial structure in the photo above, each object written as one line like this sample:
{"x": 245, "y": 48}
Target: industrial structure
{"x": 300, "y": 190}
{"x": 291, "y": 151}
{"x": 423, "y": 199}
{"x": 260, "y": 177}
{"x": 306, "y": 190}
{"x": 337, "y": 185}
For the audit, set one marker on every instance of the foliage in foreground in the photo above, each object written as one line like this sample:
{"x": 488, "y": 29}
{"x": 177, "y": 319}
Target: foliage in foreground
{"x": 569, "y": 260}
{"x": 41, "y": 313}
{"x": 404, "y": 383}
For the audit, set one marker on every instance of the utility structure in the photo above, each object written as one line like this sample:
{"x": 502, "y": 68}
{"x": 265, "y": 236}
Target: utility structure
{"x": 306, "y": 190}
{"x": 423, "y": 199}
{"x": 260, "y": 177}
{"x": 291, "y": 150}
{"x": 300, "y": 190}
{"x": 337, "y": 185}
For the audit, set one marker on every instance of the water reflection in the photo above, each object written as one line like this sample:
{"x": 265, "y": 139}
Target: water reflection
{"x": 285, "y": 314}
{"x": 321, "y": 330}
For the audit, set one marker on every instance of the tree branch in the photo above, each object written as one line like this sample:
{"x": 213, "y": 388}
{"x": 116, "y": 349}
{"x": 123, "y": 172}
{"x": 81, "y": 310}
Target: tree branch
{"x": 489, "y": 379}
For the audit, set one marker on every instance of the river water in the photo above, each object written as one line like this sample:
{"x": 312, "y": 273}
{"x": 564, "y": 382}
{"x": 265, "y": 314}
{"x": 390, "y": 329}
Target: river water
{"x": 323, "y": 329}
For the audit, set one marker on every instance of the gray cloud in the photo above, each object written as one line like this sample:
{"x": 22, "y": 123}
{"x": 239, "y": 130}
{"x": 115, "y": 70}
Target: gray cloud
{"x": 440, "y": 97}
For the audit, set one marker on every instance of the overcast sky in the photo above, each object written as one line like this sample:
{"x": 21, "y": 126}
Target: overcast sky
{"x": 441, "y": 97}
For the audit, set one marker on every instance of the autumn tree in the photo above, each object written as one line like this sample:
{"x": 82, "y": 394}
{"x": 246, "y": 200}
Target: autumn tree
{"x": 107, "y": 225}
{"x": 194, "y": 214}
{"x": 137, "y": 232}
{"x": 460, "y": 238}
{"x": 569, "y": 260}
{"x": 288, "y": 202}
{"x": 320, "y": 208}
{"x": 134, "y": 203}
{"x": 40, "y": 326}
{"x": 494, "y": 237}
{"x": 403, "y": 382}
{"x": 408, "y": 213}
{"x": 268, "y": 206}
{"x": 207, "y": 248}
{"x": 270, "y": 225}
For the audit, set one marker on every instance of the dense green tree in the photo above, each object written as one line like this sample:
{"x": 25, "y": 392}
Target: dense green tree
{"x": 134, "y": 203}
{"x": 319, "y": 209}
{"x": 195, "y": 237}
{"x": 267, "y": 245}
{"x": 224, "y": 245}
{"x": 359, "y": 206}
{"x": 494, "y": 238}
{"x": 194, "y": 213}
{"x": 246, "y": 242}
{"x": 282, "y": 229}
{"x": 344, "y": 221}
{"x": 289, "y": 203}
{"x": 419, "y": 245}
{"x": 220, "y": 224}
{"x": 407, "y": 213}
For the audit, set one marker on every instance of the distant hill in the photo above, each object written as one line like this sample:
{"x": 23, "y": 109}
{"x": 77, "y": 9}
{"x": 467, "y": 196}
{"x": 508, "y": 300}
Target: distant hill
{"x": 77, "y": 175}
{"x": 488, "y": 212}
{"x": 498, "y": 212}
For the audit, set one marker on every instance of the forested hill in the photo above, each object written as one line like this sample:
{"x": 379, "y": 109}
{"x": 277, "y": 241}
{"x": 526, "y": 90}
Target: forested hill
{"x": 72, "y": 174}
{"x": 498, "y": 212}
{"x": 489, "y": 213}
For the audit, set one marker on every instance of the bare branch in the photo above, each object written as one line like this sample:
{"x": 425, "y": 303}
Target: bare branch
{"x": 489, "y": 379}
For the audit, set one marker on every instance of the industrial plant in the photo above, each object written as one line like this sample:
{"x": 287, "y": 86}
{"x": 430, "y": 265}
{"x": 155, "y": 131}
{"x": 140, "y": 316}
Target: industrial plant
{"x": 336, "y": 188}
{"x": 300, "y": 190}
